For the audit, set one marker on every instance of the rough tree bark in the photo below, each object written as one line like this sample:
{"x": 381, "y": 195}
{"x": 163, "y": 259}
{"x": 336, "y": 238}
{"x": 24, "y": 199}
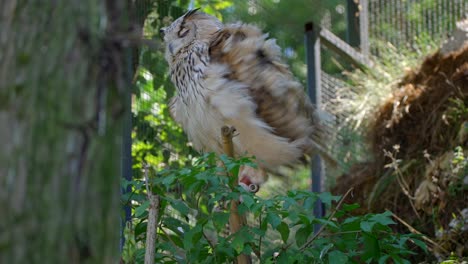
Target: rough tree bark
{"x": 62, "y": 74}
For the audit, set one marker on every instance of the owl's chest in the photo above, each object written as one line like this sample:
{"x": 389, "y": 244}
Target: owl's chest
{"x": 199, "y": 119}
{"x": 189, "y": 71}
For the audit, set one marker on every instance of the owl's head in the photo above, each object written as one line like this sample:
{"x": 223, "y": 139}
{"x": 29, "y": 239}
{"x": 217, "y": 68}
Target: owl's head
{"x": 187, "y": 29}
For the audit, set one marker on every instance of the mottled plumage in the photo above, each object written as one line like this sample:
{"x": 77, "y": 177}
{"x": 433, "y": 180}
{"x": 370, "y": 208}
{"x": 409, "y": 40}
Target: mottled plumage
{"x": 233, "y": 75}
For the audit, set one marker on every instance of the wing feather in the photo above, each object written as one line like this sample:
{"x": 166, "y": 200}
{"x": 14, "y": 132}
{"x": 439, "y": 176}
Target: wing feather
{"x": 256, "y": 62}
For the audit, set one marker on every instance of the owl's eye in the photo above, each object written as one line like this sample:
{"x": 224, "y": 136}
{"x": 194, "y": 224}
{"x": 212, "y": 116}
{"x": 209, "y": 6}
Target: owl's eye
{"x": 183, "y": 32}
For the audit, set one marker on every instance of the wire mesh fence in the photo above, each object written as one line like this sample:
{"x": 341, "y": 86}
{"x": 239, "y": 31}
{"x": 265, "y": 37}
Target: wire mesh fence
{"x": 401, "y": 21}
{"x": 398, "y": 22}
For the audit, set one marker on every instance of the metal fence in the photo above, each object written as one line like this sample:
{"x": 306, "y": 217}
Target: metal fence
{"x": 400, "y": 22}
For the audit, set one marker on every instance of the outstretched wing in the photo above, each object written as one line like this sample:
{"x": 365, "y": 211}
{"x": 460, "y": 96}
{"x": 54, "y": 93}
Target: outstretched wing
{"x": 254, "y": 60}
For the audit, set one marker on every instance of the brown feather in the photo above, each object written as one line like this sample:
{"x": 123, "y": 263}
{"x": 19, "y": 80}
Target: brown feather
{"x": 281, "y": 102}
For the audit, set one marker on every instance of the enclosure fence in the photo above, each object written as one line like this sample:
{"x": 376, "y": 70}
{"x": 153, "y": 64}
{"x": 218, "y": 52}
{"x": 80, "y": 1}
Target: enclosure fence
{"x": 401, "y": 21}
{"x": 398, "y": 22}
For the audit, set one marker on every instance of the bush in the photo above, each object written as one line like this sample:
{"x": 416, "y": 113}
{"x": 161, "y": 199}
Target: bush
{"x": 193, "y": 223}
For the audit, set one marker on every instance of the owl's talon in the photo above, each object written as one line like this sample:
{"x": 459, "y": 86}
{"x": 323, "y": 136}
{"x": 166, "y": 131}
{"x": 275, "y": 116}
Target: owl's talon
{"x": 253, "y": 188}
{"x": 248, "y": 185}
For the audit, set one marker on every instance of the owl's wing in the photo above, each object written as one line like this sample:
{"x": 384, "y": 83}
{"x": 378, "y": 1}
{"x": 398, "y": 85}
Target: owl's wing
{"x": 254, "y": 60}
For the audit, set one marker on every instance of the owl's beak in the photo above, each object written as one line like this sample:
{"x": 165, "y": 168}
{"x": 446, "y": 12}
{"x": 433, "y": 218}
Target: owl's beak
{"x": 162, "y": 31}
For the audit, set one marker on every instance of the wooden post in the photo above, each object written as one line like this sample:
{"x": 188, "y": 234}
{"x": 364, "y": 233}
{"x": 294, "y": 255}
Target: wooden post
{"x": 236, "y": 221}
{"x": 312, "y": 43}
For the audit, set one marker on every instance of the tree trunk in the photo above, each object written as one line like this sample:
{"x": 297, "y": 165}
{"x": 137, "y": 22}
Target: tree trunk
{"x": 62, "y": 80}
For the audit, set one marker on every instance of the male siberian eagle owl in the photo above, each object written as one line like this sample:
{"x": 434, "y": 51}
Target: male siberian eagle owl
{"x": 233, "y": 75}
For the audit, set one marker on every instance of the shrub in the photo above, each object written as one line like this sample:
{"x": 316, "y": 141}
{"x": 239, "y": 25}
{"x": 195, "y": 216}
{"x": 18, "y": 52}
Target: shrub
{"x": 193, "y": 223}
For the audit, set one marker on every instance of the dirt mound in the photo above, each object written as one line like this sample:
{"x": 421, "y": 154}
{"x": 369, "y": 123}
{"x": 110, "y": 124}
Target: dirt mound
{"x": 420, "y": 144}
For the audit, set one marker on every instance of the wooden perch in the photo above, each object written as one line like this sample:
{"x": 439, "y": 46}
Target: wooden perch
{"x": 236, "y": 221}
{"x": 153, "y": 217}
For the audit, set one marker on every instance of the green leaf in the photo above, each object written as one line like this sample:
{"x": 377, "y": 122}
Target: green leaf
{"x": 371, "y": 248}
{"x": 306, "y": 218}
{"x": 383, "y": 259}
{"x": 302, "y": 234}
{"x": 283, "y": 229}
{"x": 383, "y": 218}
{"x": 180, "y": 206}
{"x": 350, "y": 207}
{"x": 238, "y": 243}
{"x": 140, "y": 230}
{"x": 273, "y": 219}
{"x": 169, "y": 180}
{"x": 257, "y": 231}
{"x": 337, "y": 257}
{"x": 192, "y": 236}
{"x": 367, "y": 226}
{"x": 309, "y": 203}
{"x": 140, "y": 210}
{"x": 176, "y": 239}
{"x": 351, "y": 219}
{"x": 247, "y": 200}
{"x": 327, "y": 198}
{"x": 420, "y": 244}
{"x": 283, "y": 258}
{"x": 242, "y": 209}
{"x": 220, "y": 219}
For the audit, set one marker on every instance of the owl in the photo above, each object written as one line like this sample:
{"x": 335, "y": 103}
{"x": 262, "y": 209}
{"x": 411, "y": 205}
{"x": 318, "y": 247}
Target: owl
{"x": 234, "y": 75}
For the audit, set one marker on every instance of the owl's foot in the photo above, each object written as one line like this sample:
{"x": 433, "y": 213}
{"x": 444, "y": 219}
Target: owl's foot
{"x": 247, "y": 184}
{"x": 251, "y": 179}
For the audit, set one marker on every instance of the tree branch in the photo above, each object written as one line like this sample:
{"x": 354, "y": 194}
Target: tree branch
{"x": 153, "y": 216}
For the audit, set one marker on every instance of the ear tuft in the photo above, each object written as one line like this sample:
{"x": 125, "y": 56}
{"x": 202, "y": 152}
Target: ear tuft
{"x": 191, "y": 12}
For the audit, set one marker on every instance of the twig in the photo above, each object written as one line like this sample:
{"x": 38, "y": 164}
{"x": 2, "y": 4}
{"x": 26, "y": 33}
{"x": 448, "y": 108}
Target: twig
{"x": 307, "y": 244}
{"x": 236, "y": 221}
{"x": 153, "y": 216}
{"x": 414, "y": 231}
{"x": 399, "y": 176}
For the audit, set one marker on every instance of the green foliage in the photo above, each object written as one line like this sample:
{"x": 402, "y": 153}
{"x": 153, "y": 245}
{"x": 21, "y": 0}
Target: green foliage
{"x": 459, "y": 170}
{"x": 194, "y": 218}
